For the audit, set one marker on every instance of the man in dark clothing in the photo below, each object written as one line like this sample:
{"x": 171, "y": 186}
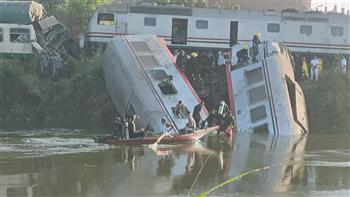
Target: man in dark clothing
{"x": 119, "y": 127}
{"x": 256, "y": 42}
{"x": 197, "y": 113}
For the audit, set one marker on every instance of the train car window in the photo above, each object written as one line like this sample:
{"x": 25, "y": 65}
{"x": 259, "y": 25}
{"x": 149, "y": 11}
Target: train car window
{"x": 158, "y": 75}
{"x": 19, "y": 35}
{"x": 150, "y": 21}
{"x": 1, "y": 35}
{"x": 273, "y": 27}
{"x": 105, "y": 19}
{"x": 257, "y": 94}
{"x": 258, "y": 113}
{"x": 306, "y": 29}
{"x": 254, "y": 76}
{"x": 337, "y": 31}
{"x": 202, "y": 24}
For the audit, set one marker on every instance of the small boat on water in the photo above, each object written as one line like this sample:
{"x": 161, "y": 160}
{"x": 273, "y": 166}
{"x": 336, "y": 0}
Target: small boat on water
{"x": 185, "y": 138}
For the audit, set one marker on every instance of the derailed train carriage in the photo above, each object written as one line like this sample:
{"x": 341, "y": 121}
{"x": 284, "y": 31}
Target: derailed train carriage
{"x": 309, "y": 32}
{"x": 142, "y": 78}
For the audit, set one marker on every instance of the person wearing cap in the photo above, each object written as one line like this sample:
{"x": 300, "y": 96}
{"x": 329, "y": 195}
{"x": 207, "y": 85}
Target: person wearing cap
{"x": 256, "y": 42}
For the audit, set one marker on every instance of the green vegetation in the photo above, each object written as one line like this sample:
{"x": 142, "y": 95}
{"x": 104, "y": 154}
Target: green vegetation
{"x": 77, "y": 100}
{"x": 327, "y": 102}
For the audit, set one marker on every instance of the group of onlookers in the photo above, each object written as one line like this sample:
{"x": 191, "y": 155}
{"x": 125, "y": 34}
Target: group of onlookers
{"x": 309, "y": 70}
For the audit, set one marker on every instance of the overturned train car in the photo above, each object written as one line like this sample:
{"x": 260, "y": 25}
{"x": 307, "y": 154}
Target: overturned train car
{"x": 142, "y": 79}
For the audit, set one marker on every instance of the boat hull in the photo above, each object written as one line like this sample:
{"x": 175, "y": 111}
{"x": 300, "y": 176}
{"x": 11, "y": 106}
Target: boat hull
{"x": 165, "y": 140}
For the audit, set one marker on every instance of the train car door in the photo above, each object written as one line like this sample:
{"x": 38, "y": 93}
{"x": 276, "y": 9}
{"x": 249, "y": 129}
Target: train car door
{"x": 179, "y": 31}
{"x": 121, "y": 25}
{"x": 233, "y": 33}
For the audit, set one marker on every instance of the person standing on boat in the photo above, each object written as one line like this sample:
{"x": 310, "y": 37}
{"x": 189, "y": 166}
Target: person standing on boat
{"x": 191, "y": 124}
{"x": 119, "y": 128}
{"x": 197, "y": 113}
{"x": 126, "y": 129}
{"x": 133, "y": 132}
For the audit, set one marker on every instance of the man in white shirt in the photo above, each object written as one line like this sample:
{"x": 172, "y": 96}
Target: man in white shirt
{"x": 314, "y": 68}
{"x": 221, "y": 60}
{"x": 343, "y": 64}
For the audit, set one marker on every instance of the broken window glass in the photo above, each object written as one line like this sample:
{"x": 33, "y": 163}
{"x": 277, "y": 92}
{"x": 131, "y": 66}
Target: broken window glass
{"x": 105, "y": 19}
{"x": 19, "y": 35}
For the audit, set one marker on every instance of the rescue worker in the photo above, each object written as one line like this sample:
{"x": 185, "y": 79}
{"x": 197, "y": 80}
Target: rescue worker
{"x": 242, "y": 55}
{"x": 305, "y": 69}
{"x": 314, "y": 68}
{"x": 256, "y": 42}
{"x": 197, "y": 113}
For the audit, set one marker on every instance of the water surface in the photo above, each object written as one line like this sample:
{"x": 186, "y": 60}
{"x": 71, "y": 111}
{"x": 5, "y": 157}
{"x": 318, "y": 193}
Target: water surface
{"x": 58, "y": 162}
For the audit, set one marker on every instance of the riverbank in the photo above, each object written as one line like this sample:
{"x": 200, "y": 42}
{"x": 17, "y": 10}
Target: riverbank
{"x": 327, "y": 102}
{"x": 78, "y": 98}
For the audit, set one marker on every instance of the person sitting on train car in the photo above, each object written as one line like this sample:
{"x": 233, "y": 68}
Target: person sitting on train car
{"x": 133, "y": 132}
{"x": 179, "y": 108}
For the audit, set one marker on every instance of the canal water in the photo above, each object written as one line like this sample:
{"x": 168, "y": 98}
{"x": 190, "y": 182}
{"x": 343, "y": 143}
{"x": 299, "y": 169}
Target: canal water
{"x": 58, "y": 162}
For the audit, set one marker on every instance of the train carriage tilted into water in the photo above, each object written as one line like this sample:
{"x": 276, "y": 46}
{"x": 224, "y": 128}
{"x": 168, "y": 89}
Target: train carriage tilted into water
{"x": 315, "y": 32}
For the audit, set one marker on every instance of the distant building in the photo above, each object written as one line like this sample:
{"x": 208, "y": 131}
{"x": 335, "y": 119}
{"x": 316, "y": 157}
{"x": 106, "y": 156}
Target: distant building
{"x": 301, "y": 5}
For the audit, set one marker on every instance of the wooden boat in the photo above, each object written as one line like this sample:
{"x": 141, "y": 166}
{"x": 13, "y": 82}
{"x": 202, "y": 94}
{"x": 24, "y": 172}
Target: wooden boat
{"x": 150, "y": 140}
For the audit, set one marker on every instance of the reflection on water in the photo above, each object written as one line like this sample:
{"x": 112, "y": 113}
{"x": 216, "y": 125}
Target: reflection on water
{"x": 68, "y": 163}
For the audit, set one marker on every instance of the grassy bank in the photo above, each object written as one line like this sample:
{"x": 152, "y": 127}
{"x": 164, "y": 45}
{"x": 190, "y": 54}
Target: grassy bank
{"x": 328, "y": 103}
{"x": 77, "y": 99}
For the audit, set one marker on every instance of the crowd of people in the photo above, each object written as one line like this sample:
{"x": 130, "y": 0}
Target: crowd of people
{"x": 309, "y": 69}
{"x": 126, "y": 128}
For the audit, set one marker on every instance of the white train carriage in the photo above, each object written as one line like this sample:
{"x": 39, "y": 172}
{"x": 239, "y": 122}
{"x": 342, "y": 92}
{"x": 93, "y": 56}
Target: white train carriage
{"x": 315, "y": 32}
{"x": 16, "y": 38}
{"x": 16, "y": 30}
{"x": 265, "y": 95}
{"x": 135, "y": 67}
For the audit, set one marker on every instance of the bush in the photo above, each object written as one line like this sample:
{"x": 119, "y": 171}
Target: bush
{"x": 327, "y": 102}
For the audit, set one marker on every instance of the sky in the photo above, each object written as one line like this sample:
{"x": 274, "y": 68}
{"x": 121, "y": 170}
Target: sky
{"x": 330, "y": 4}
